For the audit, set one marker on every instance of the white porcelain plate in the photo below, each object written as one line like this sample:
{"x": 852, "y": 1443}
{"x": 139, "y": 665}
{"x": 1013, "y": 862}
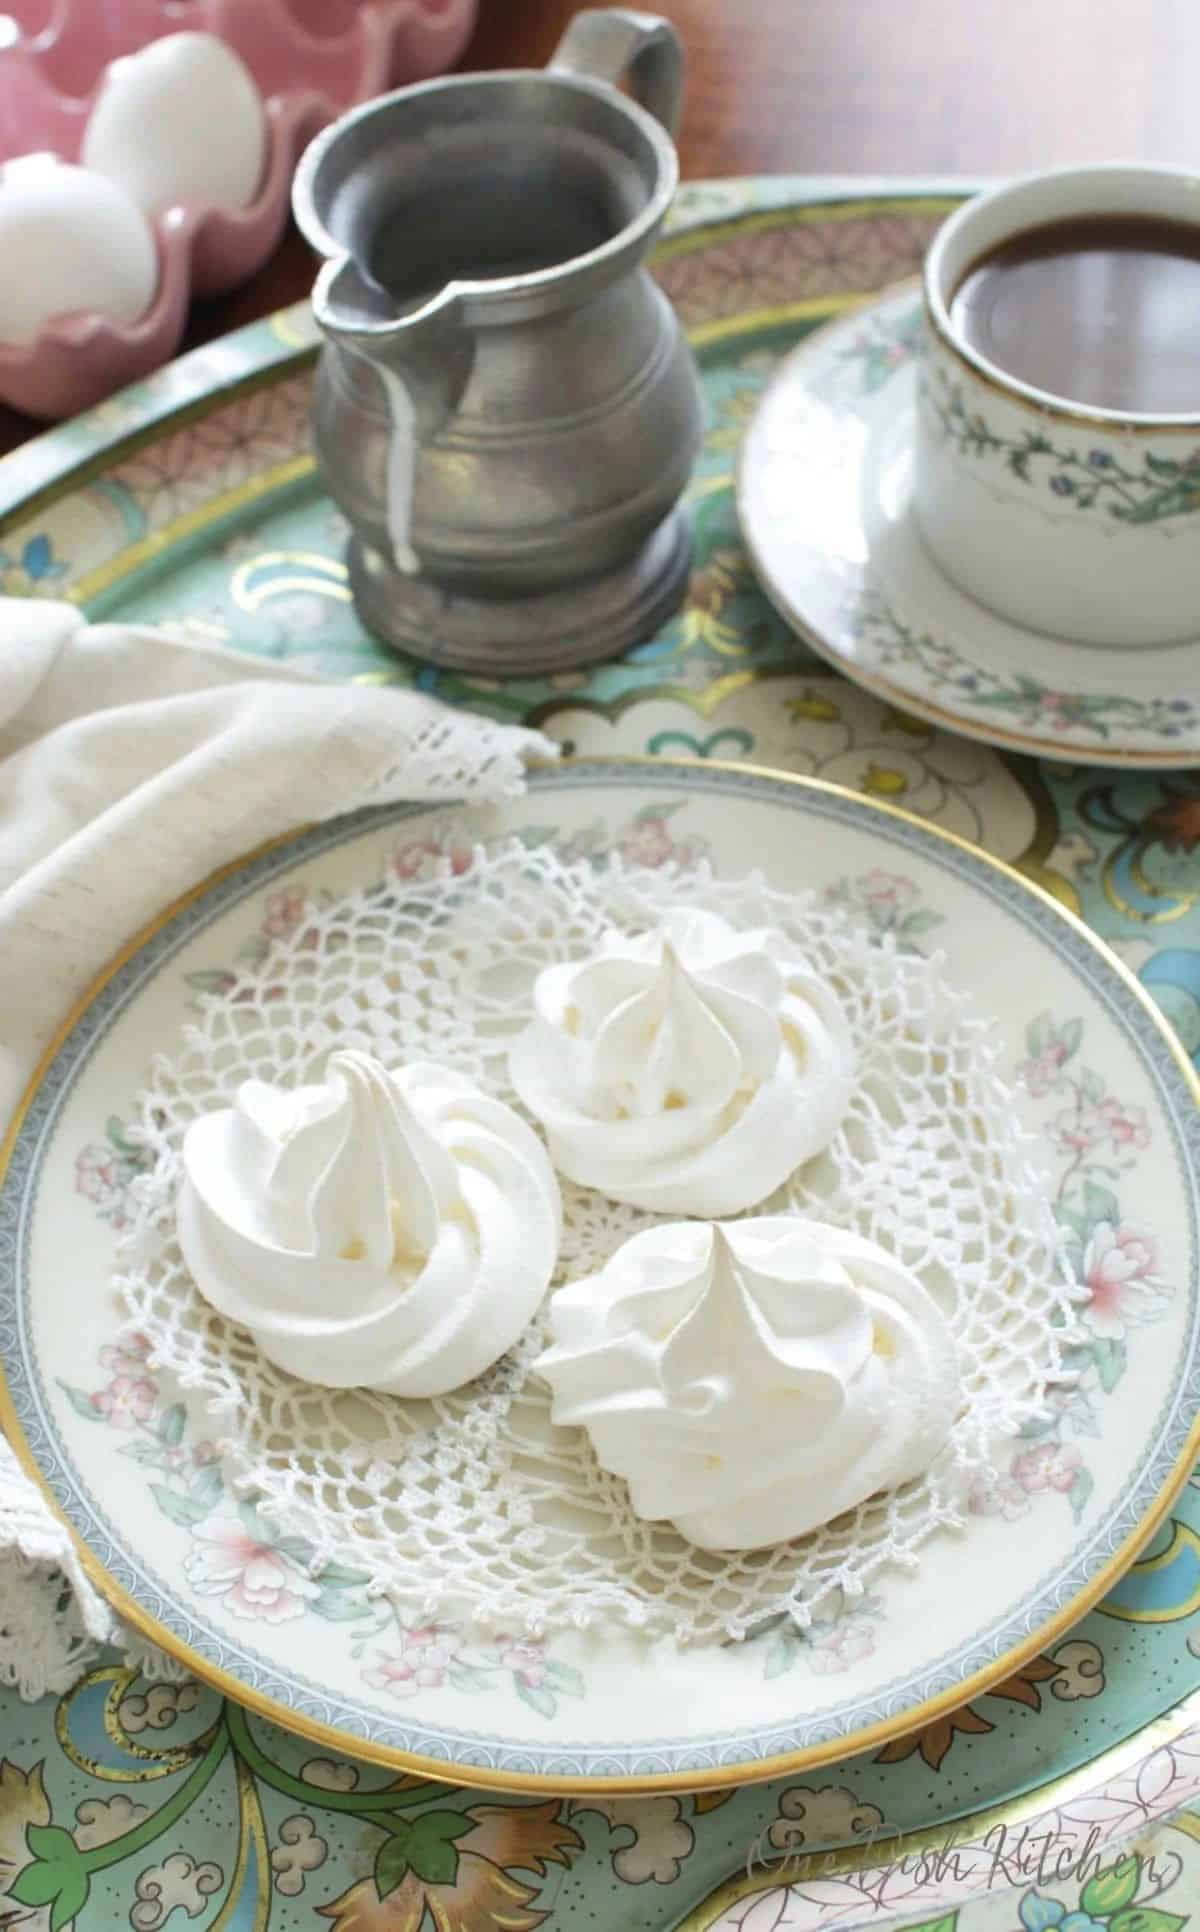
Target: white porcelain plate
{"x": 824, "y": 492}
{"x": 130, "y": 1462}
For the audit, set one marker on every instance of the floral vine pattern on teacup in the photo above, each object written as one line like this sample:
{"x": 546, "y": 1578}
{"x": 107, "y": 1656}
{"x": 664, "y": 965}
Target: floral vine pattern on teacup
{"x": 1080, "y": 479}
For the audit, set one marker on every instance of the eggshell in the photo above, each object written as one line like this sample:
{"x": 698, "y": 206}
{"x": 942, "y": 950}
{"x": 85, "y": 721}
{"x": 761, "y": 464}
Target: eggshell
{"x": 179, "y": 123}
{"x": 69, "y": 240}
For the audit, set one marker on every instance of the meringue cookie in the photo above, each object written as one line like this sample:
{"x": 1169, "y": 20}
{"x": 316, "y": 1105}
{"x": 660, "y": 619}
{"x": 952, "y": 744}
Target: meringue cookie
{"x": 386, "y": 1230}
{"x": 688, "y": 1070}
{"x": 750, "y": 1381}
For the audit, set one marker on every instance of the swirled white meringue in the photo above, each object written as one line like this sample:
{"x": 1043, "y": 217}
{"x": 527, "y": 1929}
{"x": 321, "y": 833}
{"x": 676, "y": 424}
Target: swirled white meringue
{"x": 752, "y": 1380}
{"x": 688, "y": 1070}
{"x": 385, "y": 1230}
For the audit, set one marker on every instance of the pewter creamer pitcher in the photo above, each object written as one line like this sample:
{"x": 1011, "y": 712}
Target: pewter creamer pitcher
{"x": 506, "y": 409}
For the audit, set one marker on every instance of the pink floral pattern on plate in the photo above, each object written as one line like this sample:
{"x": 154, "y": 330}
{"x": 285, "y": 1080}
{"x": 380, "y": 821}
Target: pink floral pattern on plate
{"x": 105, "y": 1170}
{"x": 649, "y": 838}
{"x": 257, "y": 1581}
{"x": 261, "y": 1575}
{"x": 889, "y": 904}
{"x": 434, "y": 1655}
{"x": 1098, "y": 1138}
{"x": 1120, "y": 1268}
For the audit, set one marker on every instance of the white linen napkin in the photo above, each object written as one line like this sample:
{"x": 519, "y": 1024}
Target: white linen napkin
{"x": 131, "y": 766}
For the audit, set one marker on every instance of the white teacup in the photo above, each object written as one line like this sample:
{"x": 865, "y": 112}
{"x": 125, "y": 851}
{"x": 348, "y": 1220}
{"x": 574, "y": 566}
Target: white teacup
{"x": 1077, "y": 521}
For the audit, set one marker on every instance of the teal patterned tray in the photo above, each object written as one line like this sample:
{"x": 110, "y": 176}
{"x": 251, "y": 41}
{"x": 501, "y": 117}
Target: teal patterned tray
{"x": 192, "y": 498}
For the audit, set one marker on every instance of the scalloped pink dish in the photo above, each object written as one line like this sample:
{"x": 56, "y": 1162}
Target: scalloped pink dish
{"x": 311, "y": 59}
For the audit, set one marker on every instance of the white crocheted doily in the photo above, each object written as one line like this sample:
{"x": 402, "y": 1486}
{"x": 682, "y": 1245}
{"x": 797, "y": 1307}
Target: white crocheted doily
{"x": 473, "y": 1505}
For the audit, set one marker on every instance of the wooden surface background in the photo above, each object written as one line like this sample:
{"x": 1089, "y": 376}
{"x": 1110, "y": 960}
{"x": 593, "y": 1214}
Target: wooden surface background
{"x": 880, "y": 86}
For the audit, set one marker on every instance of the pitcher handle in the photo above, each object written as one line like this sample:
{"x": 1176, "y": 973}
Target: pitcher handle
{"x": 608, "y": 43}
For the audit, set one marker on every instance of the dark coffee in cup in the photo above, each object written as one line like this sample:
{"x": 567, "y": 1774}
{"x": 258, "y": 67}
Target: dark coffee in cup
{"x": 1097, "y": 309}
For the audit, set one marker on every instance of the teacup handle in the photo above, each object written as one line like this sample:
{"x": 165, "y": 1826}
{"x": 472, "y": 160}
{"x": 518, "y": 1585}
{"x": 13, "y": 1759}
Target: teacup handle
{"x": 606, "y": 43}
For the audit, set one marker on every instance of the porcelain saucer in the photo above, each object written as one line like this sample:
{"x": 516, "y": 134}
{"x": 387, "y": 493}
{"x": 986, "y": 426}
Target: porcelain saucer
{"x": 824, "y": 496}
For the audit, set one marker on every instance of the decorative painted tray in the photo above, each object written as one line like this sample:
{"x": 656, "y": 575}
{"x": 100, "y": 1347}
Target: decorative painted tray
{"x": 192, "y": 498}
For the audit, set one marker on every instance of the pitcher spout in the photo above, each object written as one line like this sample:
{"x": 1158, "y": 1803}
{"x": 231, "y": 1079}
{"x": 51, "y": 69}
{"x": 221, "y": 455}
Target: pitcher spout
{"x": 427, "y": 352}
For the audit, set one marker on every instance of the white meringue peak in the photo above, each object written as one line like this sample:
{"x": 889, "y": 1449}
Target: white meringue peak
{"x": 753, "y": 1380}
{"x": 688, "y": 1070}
{"x": 392, "y": 1230}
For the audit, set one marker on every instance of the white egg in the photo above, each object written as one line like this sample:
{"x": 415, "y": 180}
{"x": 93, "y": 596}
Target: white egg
{"x": 69, "y": 240}
{"x": 181, "y": 122}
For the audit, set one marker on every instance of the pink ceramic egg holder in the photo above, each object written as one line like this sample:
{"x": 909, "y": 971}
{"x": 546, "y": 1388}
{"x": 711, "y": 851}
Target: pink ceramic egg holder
{"x": 311, "y": 60}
